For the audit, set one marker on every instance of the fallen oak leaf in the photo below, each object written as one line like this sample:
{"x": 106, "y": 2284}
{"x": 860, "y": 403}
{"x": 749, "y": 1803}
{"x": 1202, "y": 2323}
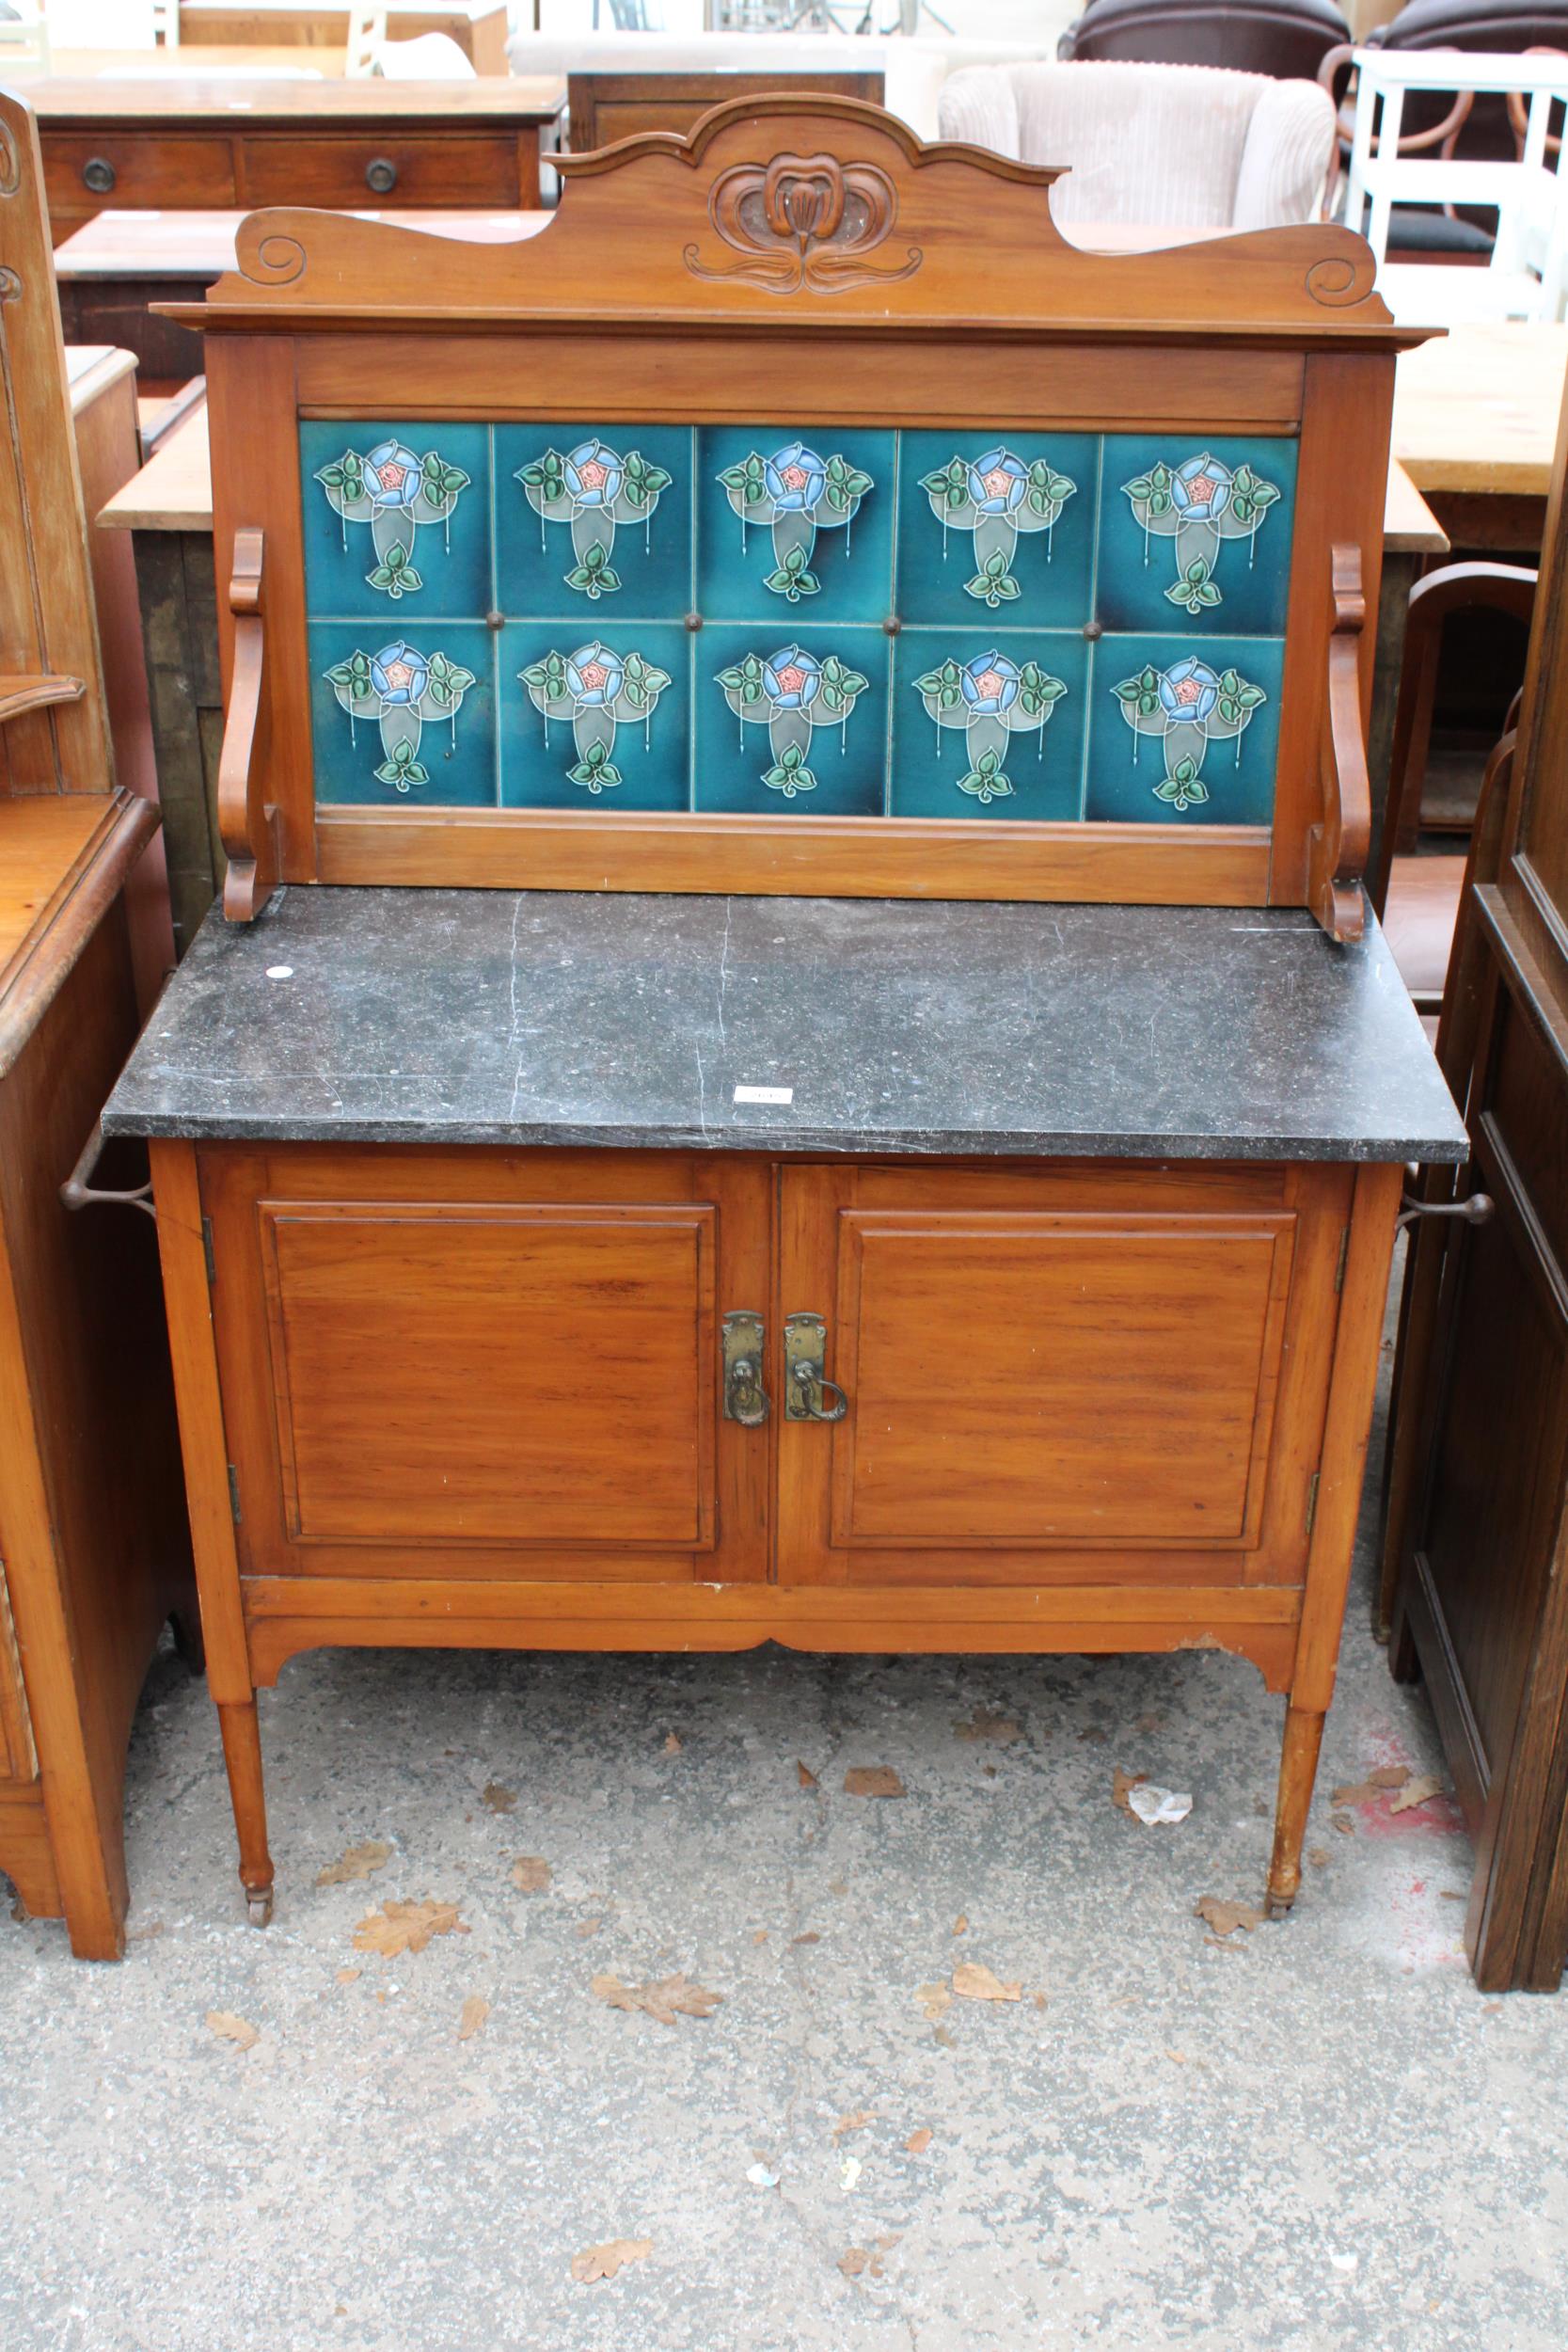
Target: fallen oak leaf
{"x": 602, "y": 2262}
{"x": 1223, "y": 1918}
{"x": 358, "y": 1862}
{"x": 1417, "y": 1792}
{"x": 476, "y": 2008}
{"x": 229, "y": 2027}
{"x": 399, "y": 1928}
{"x": 671, "y": 1997}
{"x": 873, "y": 1780}
{"x": 530, "y": 1873}
{"x": 974, "y": 1982}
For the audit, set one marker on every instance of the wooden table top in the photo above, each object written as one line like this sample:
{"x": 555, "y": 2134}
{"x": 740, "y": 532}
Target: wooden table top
{"x": 1476, "y": 412}
{"x": 44, "y": 838}
{"x": 200, "y": 244}
{"x": 175, "y": 97}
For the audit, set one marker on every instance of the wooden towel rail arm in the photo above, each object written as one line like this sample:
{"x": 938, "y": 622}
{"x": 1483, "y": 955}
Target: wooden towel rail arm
{"x": 246, "y": 822}
{"x": 1340, "y": 843}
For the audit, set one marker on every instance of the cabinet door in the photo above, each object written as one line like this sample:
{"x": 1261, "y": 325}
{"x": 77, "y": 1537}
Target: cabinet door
{"x": 499, "y": 1363}
{"x": 1074, "y": 1375}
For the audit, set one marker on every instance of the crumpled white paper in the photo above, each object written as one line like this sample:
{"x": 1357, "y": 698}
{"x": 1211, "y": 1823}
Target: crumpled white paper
{"x": 1152, "y": 1804}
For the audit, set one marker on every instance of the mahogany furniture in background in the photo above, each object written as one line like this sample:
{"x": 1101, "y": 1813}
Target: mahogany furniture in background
{"x": 1288, "y": 39}
{"x": 603, "y": 107}
{"x": 178, "y": 142}
{"x": 92, "y": 1531}
{"x": 478, "y": 27}
{"x": 1479, "y": 1469}
{"x": 637, "y": 1202}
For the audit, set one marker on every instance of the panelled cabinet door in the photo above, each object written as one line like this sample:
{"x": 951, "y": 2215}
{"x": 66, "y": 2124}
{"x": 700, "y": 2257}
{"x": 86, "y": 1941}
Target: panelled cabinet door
{"x": 1088, "y": 1377}
{"x": 481, "y": 1362}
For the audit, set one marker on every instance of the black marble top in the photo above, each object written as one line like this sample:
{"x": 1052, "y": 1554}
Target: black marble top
{"x": 490, "y": 1016}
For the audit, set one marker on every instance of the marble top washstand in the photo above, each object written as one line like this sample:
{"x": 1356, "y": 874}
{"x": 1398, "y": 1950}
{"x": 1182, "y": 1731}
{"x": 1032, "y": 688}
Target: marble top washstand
{"x": 904, "y": 1027}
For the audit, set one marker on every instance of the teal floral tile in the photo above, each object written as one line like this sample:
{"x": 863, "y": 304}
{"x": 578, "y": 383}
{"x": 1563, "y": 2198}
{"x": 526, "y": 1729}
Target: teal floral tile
{"x": 990, "y": 522}
{"x": 988, "y": 725}
{"x": 402, "y": 716}
{"x": 795, "y": 528}
{"x": 396, "y": 520}
{"x": 594, "y": 519}
{"x": 1195, "y": 535}
{"x": 1182, "y": 732}
{"x": 791, "y": 719}
{"x": 595, "y": 720}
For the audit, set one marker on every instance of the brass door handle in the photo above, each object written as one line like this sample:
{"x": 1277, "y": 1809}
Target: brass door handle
{"x": 745, "y": 1398}
{"x": 806, "y": 1387}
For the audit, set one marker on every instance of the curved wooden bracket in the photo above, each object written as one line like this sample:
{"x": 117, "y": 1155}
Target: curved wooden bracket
{"x": 1337, "y": 845}
{"x": 246, "y": 822}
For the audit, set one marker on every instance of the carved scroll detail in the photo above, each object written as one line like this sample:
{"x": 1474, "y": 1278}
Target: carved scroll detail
{"x": 277, "y": 260}
{"x": 247, "y": 821}
{"x": 1337, "y": 844}
{"x": 1337, "y": 281}
{"x": 804, "y": 221}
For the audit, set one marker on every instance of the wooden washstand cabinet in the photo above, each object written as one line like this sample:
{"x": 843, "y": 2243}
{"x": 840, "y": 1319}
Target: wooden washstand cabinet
{"x": 793, "y": 1048}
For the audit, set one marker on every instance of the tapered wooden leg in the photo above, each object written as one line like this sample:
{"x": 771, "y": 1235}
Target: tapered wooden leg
{"x": 1298, "y": 1769}
{"x": 242, "y": 1754}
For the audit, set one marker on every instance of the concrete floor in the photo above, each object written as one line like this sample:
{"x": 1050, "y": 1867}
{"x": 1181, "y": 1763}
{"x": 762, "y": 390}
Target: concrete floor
{"x": 1316, "y": 2136}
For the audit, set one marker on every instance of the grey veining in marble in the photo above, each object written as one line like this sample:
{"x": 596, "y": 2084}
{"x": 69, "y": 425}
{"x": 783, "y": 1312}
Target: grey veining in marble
{"x": 499, "y": 1017}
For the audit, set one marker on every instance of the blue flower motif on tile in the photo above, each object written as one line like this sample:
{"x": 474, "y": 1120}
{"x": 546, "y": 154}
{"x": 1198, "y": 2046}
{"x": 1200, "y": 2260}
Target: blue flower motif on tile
{"x": 791, "y": 692}
{"x": 1197, "y": 503}
{"x": 394, "y": 489}
{"x": 995, "y": 498}
{"x": 992, "y": 698}
{"x": 593, "y": 487}
{"x": 596, "y": 690}
{"x": 1187, "y": 707}
{"x": 399, "y": 687}
{"x": 798, "y": 494}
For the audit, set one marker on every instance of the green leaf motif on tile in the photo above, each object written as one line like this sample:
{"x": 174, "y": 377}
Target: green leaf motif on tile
{"x": 449, "y": 681}
{"x": 548, "y": 677}
{"x": 985, "y": 781}
{"x": 839, "y": 688}
{"x": 1140, "y": 693}
{"x": 1195, "y": 590}
{"x": 642, "y": 482}
{"x": 790, "y": 773}
{"x": 744, "y": 678}
{"x": 400, "y": 768}
{"x": 1184, "y": 787}
{"x": 354, "y": 673}
{"x": 1037, "y": 689}
{"x": 793, "y": 579}
{"x": 595, "y": 770}
{"x": 546, "y": 474}
{"x": 440, "y": 482}
{"x": 993, "y": 583}
{"x": 395, "y": 573}
{"x": 594, "y": 575}
{"x": 942, "y": 686}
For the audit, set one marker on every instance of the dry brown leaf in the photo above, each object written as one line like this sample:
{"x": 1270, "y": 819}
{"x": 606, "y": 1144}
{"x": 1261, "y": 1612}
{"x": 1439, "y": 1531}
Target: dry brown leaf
{"x": 940, "y": 2033}
{"x": 873, "y": 1780}
{"x": 761, "y": 1936}
{"x": 1121, "y": 1783}
{"x": 357, "y": 1863}
{"x": 349, "y": 1975}
{"x": 806, "y": 1777}
{"x": 399, "y": 1928}
{"x": 919, "y": 2141}
{"x": 1375, "y": 1785}
{"x": 671, "y": 1998}
{"x": 960, "y": 1925}
{"x": 531, "y": 1872}
{"x": 855, "y": 2122}
{"x": 145, "y": 1935}
{"x": 974, "y": 1982}
{"x": 476, "y": 2008}
{"x": 589, "y": 1926}
{"x": 1318, "y": 1857}
{"x": 499, "y": 1799}
{"x": 810, "y": 1937}
{"x": 672, "y": 1745}
{"x": 988, "y": 1723}
{"x": 935, "y": 2000}
{"x": 1342, "y": 1823}
{"x": 1416, "y": 1792}
{"x": 603, "y": 2262}
{"x": 1389, "y": 1776}
{"x": 854, "y": 2261}
{"x": 229, "y": 2027}
{"x": 1224, "y": 1918}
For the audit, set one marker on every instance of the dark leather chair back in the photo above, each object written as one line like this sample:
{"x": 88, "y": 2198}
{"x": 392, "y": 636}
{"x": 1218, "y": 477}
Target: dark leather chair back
{"x": 1508, "y": 25}
{"x": 1288, "y": 38}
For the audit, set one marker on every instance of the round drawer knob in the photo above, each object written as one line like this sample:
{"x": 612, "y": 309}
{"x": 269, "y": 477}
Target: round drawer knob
{"x": 381, "y": 175}
{"x": 98, "y": 174}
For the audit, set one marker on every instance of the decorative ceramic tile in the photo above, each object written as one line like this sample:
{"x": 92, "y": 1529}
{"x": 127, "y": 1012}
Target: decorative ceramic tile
{"x": 596, "y": 721}
{"x": 999, "y": 524}
{"x": 1195, "y": 534}
{"x": 396, "y": 519}
{"x": 594, "y": 519}
{"x": 988, "y": 725}
{"x": 1184, "y": 733}
{"x": 793, "y": 527}
{"x": 406, "y": 720}
{"x": 792, "y": 721}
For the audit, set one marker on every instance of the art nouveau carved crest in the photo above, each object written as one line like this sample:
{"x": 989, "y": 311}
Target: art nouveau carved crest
{"x": 804, "y": 220}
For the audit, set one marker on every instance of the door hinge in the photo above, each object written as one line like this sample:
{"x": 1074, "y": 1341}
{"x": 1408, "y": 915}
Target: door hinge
{"x": 1311, "y": 1500}
{"x": 1340, "y": 1269}
{"x": 235, "y": 1492}
{"x": 207, "y": 1251}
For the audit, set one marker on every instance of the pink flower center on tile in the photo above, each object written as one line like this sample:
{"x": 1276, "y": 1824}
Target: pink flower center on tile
{"x": 1188, "y": 689}
{"x": 391, "y": 476}
{"x": 794, "y": 477}
{"x": 399, "y": 674}
{"x": 991, "y": 682}
{"x": 790, "y": 679}
{"x": 594, "y": 675}
{"x": 998, "y": 482}
{"x": 1201, "y": 488}
{"x": 592, "y": 474}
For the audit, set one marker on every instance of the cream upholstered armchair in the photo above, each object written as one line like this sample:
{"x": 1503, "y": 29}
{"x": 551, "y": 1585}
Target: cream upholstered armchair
{"x": 1186, "y": 143}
